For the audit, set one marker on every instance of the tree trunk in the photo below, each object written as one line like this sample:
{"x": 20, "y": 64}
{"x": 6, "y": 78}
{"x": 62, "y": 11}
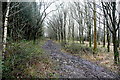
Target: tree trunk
{"x": 79, "y": 35}
{"x": 5, "y": 28}
{"x": 89, "y": 35}
{"x": 56, "y": 34}
{"x": 82, "y": 36}
{"x": 65, "y": 26}
{"x": 116, "y": 53}
{"x": 59, "y": 34}
{"x": 73, "y": 32}
{"x": 34, "y": 40}
{"x": 112, "y": 17}
{"x": 108, "y": 35}
{"x": 104, "y": 34}
{"x": 98, "y": 33}
{"x": 61, "y": 31}
{"x": 69, "y": 31}
{"x": 35, "y": 35}
{"x": 108, "y": 39}
{"x": 95, "y": 35}
{"x": 118, "y": 36}
{"x": 62, "y": 36}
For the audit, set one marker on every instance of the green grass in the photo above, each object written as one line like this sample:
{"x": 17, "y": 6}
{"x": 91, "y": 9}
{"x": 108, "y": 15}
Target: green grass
{"x": 23, "y": 58}
{"x": 76, "y": 48}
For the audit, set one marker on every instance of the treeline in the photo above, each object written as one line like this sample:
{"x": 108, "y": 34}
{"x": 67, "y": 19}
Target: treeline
{"x": 88, "y": 21}
{"x": 97, "y": 23}
{"x": 23, "y": 27}
{"x": 23, "y": 21}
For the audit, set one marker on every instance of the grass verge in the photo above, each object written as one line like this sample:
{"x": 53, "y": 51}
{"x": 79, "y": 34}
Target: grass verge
{"x": 27, "y": 60}
{"x": 102, "y": 58}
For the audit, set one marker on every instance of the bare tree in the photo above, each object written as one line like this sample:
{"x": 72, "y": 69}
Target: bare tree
{"x": 77, "y": 15}
{"x": 65, "y": 21}
{"x": 89, "y": 28}
{"x": 109, "y": 11}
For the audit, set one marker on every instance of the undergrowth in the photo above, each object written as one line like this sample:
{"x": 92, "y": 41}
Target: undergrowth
{"x": 21, "y": 58}
{"x": 77, "y": 48}
{"x": 102, "y": 57}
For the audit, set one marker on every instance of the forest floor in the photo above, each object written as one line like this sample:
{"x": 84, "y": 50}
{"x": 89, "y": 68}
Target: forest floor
{"x": 102, "y": 58}
{"x": 70, "y": 66}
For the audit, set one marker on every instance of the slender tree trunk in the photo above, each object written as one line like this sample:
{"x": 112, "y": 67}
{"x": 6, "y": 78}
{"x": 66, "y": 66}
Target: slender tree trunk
{"x": 98, "y": 33}
{"x": 35, "y": 35}
{"x": 82, "y": 36}
{"x": 61, "y": 30}
{"x": 118, "y": 25}
{"x": 79, "y": 34}
{"x": 59, "y": 34}
{"x": 73, "y": 32}
{"x": 69, "y": 31}
{"x": 62, "y": 36}
{"x": 119, "y": 34}
{"x": 92, "y": 34}
{"x": 68, "y": 34}
{"x": 65, "y": 14}
{"x": 108, "y": 40}
{"x": 1, "y": 31}
{"x": 89, "y": 29}
{"x": 34, "y": 40}
{"x": 5, "y": 28}
{"x": 56, "y": 34}
{"x": 104, "y": 34}
{"x": 89, "y": 35}
{"x": 95, "y": 35}
{"x": 108, "y": 35}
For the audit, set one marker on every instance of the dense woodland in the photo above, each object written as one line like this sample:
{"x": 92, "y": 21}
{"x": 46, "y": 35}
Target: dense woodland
{"x": 89, "y": 23}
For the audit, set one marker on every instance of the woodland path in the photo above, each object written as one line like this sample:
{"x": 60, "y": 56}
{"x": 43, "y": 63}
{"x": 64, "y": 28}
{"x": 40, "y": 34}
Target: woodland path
{"x": 75, "y": 67}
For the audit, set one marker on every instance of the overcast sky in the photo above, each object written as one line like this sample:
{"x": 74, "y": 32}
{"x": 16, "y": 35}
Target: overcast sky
{"x": 52, "y": 7}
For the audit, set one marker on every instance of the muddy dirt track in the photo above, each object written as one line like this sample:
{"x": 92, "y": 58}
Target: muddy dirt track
{"x": 75, "y": 67}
